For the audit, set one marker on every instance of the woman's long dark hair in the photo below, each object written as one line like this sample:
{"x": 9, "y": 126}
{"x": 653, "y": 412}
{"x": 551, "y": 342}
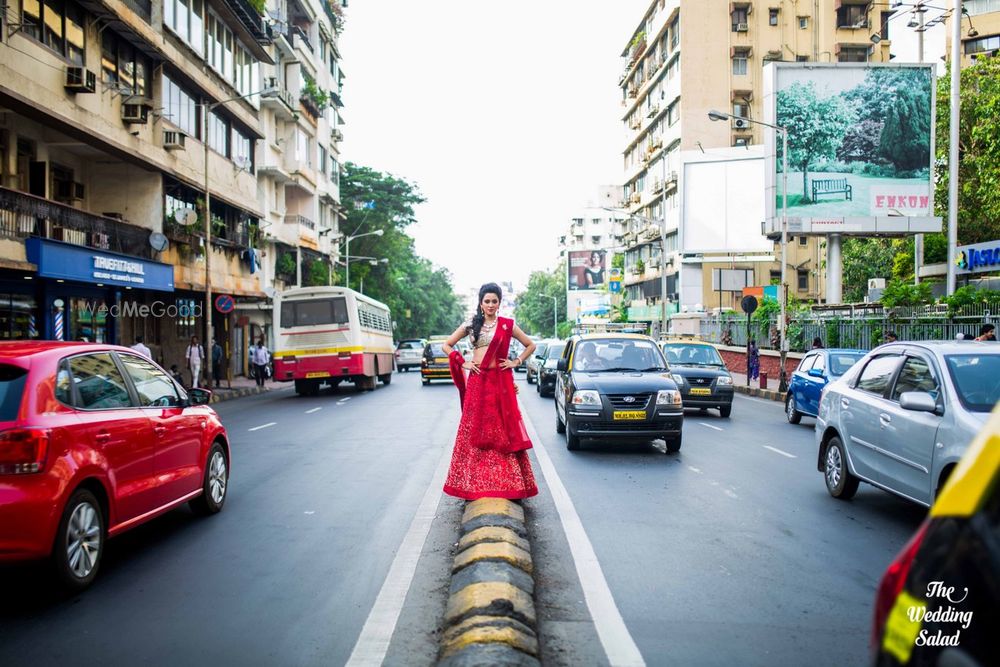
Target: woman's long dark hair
{"x": 480, "y": 317}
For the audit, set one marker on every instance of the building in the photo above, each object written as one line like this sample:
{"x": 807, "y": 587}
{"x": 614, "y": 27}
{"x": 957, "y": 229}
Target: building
{"x": 980, "y": 30}
{"x": 684, "y": 58}
{"x": 596, "y": 226}
{"x": 120, "y": 124}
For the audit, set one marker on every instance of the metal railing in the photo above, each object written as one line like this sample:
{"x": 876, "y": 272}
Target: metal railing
{"x": 144, "y": 8}
{"x": 300, "y": 220}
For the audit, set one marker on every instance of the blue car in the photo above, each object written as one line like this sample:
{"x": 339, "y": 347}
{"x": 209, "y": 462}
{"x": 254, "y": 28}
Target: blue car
{"x": 818, "y": 368}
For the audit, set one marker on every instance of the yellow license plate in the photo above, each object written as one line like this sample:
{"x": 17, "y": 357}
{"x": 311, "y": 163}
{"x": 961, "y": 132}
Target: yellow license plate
{"x": 698, "y": 391}
{"x": 318, "y": 374}
{"x": 440, "y": 360}
{"x": 629, "y": 415}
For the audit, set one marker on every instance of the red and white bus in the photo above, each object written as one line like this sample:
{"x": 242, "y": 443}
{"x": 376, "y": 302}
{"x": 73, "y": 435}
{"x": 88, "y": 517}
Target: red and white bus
{"x": 327, "y": 335}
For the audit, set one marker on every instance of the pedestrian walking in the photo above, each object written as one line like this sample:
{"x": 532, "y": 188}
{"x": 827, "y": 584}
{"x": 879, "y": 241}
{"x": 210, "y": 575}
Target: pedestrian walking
{"x": 987, "y": 332}
{"x": 260, "y": 358}
{"x": 753, "y": 360}
{"x": 490, "y": 458}
{"x": 817, "y": 343}
{"x": 141, "y": 348}
{"x": 194, "y": 356}
{"x": 216, "y": 361}
{"x": 890, "y": 337}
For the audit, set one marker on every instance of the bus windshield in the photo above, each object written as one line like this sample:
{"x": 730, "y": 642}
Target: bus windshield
{"x": 312, "y": 312}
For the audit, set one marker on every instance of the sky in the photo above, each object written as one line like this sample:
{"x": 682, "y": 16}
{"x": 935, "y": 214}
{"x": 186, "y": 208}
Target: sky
{"x": 505, "y": 115}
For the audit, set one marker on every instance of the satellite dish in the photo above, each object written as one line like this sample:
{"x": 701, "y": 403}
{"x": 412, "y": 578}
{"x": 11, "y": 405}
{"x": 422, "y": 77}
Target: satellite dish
{"x": 158, "y": 241}
{"x": 186, "y": 217}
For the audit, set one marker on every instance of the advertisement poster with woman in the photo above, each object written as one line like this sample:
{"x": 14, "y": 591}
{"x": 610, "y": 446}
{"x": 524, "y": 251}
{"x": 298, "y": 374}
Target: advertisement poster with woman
{"x": 586, "y": 270}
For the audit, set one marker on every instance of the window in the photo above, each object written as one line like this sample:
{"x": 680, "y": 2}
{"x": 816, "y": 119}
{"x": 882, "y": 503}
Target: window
{"x": 741, "y": 109}
{"x": 322, "y": 160}
{"x": 334, "y": 171}
{"x": 803, "y": 240}
{"x": 852, "y": 16}
{"x": 884, "y": 25}
{"x": 803, "y": 22}
{"x": 853, "y": 54}
{"x": 772, "y": 17}
{"x": 801, "y": 59}
{"x": 803, "y": 277}
{"x": 981, "y": 45}
{"x": 153, "y": 386}
{"x": 187, "y": 321}
{"x": 741, "y": 141}
{"x": 303, "y": 150}
{"x": 184, "y": 18}
{"x": 674, "y": 112}
{"x": 807, "y": 363}
{"x": 740, "y": 64}
{"x": 740, "y": 20}
{"x": 99, "y": 383}
{"x": 820, "y": 363}
{"x": 59, "y": 24}
{"x": 242, "y": 150}
{"x": 218, "y": 133}
{"x": 877, "y": 373}
{"x": 312, "y": 312}
{"x": 180, "y": 108}
{"x": 976, "y": 7}
{"x": 915, "y": 375}
{"x": 675, "y": 34}
{"x": 775, "y": 277}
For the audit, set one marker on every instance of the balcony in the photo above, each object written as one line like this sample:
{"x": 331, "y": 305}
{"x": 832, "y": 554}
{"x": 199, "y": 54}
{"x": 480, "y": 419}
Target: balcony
{"x": 250, "y": 18}
{"x": 336, "y": 134}
{"x": 282, "y": 102}
{"x": 23, "y": 215}
{"x": 143, "y": 8}
{"x": 300, "y": 220}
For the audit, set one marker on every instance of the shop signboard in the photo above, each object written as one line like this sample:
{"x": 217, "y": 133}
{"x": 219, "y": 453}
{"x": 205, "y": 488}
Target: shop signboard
{"x": 66, "y": 261}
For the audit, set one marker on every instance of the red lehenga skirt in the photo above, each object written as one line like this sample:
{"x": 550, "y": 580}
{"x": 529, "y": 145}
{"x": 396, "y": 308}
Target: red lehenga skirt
{"x": 486, "y": 472}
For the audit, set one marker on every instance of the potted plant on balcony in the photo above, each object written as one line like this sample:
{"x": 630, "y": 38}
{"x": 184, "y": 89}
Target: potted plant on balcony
{"x": 314, "y": 98}
{"x": 284, "y": 266}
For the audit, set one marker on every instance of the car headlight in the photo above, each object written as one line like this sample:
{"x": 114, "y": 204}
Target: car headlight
{"x": 679, "y": 379}
{"x": 587, "y": 397}
{"x": 668, "y": 397}
{"x": 724, "y": 380}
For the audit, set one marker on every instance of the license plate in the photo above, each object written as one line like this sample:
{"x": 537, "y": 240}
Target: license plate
{"x": 440, "y": 360}
{"x": 629, "y": 415}
{"x": 318, "y": 374}
{"x": 698, "y": 391}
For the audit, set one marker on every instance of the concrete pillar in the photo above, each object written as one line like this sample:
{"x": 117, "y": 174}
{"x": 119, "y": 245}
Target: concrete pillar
{"x": 834, "y": 269}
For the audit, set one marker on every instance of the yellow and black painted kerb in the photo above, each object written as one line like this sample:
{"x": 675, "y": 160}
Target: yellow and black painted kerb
{"x": 490, "y": 618}
{"x": 769, "y": 394}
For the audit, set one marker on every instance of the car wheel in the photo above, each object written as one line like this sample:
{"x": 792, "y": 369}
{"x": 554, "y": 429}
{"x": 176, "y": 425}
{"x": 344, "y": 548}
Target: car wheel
{"x": 725, "y": 411}
{"x": 572, "y": 440}
{"x": 426, "y": 382}
{"x": 673, "y": 444}
{"x": 79, "y": 544}
{"x": 216, "y": 484}
{"x": 839, "y": 480}
{"x": 385, "y": 379}
{"x": 528, "y": 378}
{"x": 560, "y": 424}
{"x": 791, "y": 413}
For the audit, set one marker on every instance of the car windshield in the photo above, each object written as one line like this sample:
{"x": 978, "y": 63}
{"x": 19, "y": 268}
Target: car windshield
{"x": 435, "y": 350}
{"x": 613, "y": 355}
{"x": 683, "y": 354}
{"x": 977, "y": 378}
{"x": 555, "y": 350}
{"x": 410, "y": 345}
{"x": 841, "y": 362}
{"x": 12, "y": 381}
{"x": 540, "y": 349}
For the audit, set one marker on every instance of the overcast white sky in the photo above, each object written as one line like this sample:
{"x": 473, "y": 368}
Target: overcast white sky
{"x": 505, "y": 115}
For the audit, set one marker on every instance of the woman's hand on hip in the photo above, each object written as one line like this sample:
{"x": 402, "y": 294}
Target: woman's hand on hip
{"x": 507, "y": 364}
{"x": 472, "y": 367}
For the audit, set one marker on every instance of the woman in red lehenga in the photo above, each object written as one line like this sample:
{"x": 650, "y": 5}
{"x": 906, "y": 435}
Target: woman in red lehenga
{"x": 490, "y": 459}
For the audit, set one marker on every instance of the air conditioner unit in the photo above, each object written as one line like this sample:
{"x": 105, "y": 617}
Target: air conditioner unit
{"x": 271, "y": 82}
{"x": 137, "y": 114}
{"x": 636, "y": 197}
{"x": 80, "y": 80}
{"x": 173, "y": 140}
{"x": 741, "y": 124}
{"x": 876, "y": 283}
{"x": 742, "y": 27}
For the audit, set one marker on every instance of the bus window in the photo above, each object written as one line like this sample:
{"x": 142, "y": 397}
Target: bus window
{"x": 312, "y": 312}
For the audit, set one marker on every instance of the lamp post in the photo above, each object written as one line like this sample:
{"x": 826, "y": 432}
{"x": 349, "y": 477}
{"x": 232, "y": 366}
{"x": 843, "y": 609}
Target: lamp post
{"x": 555, "y": 317}
{"x": 206, "y": 108}
{"x": 782, "y": 298}
{"x": 347, "y": 253}
{"x": 956, "y": 104}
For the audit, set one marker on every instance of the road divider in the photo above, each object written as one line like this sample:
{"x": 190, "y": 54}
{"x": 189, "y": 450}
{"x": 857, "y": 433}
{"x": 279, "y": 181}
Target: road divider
{"x": 490, "y": 617}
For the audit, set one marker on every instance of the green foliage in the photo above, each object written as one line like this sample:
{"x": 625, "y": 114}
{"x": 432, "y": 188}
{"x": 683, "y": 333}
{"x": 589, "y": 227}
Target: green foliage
{"x": 900, "y": 293}
{"x": 906, "y": 137}
{"x": 315, "y": 272}
{"x": 935, "y": 252}
{"x": 861, "y": 142}
{"x": 641, "y": 265}
{"x": 979, "y": 155}
{"x": 618, "y": 261}
{"x": 259, "y": 5}
{"x": 969, "y": 295}
{"x": 534, "y": 312}
{"x": 865, "y": 258}
{"x": 313, "y": 93}
{"x": 284, "y": 265}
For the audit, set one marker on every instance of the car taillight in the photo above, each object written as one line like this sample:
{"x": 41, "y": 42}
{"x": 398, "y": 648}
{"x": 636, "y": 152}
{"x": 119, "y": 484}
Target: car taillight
{"x": 23, "y": 450}
{"x": 893, "y": 581}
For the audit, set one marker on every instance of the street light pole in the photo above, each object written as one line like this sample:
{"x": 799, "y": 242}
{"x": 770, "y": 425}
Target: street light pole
{"x": 347, "y": 252}
{"x": 555, "y": 317}
{"x": 956, "y": 104}
{"x": 918, "y": 240}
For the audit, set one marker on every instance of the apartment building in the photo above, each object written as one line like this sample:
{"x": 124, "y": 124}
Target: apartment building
{"x": 596, "y": 226}
{"x": 120, "y": 124}
{"x": 980, "y": 30}
{"x": 684, "y": 58}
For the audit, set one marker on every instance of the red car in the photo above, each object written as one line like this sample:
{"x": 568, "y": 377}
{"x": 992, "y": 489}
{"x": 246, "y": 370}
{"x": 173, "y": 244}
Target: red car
{"x": 95, "y": 440}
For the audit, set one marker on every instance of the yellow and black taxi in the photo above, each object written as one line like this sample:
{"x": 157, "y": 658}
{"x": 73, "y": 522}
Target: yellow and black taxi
{"x": 939, "y": 601}
{"x": 434, "y": 365}
{"x": 700, "y": 374}
{"x": 616, "y": 387}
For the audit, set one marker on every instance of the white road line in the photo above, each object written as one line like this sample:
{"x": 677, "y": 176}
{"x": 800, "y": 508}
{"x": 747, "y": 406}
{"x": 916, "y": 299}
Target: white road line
{"x": 257, "y": 428}
{"x": 309, "y": 412}
{"x": 695, "y": 470}
{"x": 615, "y": 638}
{"x": 730, "y": 493}
{"x": 778, "y": 451}
{"x": 710, "y": 426}
{"x": 373, "y": 642}
{"x": 344, "y": 400}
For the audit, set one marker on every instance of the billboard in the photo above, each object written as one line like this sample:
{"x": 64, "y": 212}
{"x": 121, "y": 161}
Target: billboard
{"x": 722, "y": 205}
{"x": 587, "y": 270}
{"x": 978, "y": 258}
{"x": 860, "y": 147}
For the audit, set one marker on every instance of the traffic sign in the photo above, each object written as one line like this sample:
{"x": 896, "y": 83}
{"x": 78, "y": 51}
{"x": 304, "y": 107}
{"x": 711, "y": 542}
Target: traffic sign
{"x": 749, "y": 304}
{"x": 224, "y": 303}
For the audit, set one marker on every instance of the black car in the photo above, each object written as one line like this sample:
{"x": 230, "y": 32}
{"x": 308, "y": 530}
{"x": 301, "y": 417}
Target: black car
{"x": 435, "y": 364}
{"x": 701, "y": 374}
{"x": 547, "y": 371}
{"x": 616, "y": 387}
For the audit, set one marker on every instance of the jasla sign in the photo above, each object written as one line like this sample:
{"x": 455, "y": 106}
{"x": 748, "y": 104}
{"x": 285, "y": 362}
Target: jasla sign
{"x": 978, "y": 258}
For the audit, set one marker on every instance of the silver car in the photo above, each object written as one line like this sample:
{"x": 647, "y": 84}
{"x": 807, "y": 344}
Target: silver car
{"x": 901, "y": 418}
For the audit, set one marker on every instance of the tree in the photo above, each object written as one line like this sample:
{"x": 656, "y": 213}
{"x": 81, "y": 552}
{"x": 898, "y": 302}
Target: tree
{"x": 865, "y": 258}
{"x": 979, "y": 152}
{"x": 815, "y": 126}
{"x": 861, "y": 142}
{"x": 534, "y": 312}
{"x": 906, "y": 137}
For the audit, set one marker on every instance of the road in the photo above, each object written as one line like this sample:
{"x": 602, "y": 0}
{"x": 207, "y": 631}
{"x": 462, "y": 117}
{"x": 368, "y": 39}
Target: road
{"x": 729, "y": 552}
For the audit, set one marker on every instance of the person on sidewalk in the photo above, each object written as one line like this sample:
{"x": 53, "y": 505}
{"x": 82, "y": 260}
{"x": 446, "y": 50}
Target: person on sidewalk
{"x": 195, "y": 356}
{"x": 753, "y": 360}
{"x": 175, "y": 373}
{"x": 890, "y": 337}
{"x": 490, "y": 458}
{"x": 987, "y": 332}
{"x": 817, "y": 343}
{"x": 260, "y": 358}
{"x": 141, "y": 348}
{"x": 216, "y": 362}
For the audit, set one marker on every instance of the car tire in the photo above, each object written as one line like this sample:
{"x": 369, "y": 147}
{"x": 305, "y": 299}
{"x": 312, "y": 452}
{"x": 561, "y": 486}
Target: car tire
{"x": 426, "y": 382}
{"x": 80, "y": 539}
{"x": 528, "y": 378}
{"x": 572, "y": 440}
{"x": 791, "y": 413}
{"x": 385, "y": 379}
{"x": 560, "y": 424}
{"x": 725, "y": 411}
{"x": 673, "y": 444}
{"x": 215, "y": 486}
{"x": 839, "y": 480}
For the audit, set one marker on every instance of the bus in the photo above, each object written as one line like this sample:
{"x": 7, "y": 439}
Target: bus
{"x": 328, "y": 335}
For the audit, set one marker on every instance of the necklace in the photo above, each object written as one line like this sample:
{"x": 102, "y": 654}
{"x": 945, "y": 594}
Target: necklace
{"x": 489, "y": 327}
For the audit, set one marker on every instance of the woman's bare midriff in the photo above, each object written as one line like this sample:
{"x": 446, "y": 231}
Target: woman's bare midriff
{"x": 478, "y": 354}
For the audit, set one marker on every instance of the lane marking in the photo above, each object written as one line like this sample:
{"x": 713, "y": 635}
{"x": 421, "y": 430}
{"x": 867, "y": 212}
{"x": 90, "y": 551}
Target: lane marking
{"x": 373, "y": 642}
{"x": 344, "y": 400}
{"x": 730, "y": 493}
{"x": 695, "y": 470}
{"x": 778, "y": 451}
{"x": 257, "y": 428}
{"x": 615, "y": 638}
{"x": 710, "y": 426}
{"x": 309, "y": 412}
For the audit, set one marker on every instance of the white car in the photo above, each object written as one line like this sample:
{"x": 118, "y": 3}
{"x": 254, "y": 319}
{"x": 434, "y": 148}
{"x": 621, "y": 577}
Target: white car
{"x": 409, "y": 353}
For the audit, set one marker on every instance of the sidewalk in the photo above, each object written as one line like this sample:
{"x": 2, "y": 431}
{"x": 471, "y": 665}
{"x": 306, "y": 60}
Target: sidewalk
{"x": 240, "y": 386}
{"x": 770, "y": 393}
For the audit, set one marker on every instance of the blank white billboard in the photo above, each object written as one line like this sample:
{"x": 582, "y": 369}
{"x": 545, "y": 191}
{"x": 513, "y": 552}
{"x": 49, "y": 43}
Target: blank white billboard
{"x": 723, "y": 201}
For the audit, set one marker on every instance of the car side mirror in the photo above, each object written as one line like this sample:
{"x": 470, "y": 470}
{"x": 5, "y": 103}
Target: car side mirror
{"x": 562, "y": 366}
{"x": 816, "y": 373}
{"x": 917, "y": 401}
{"x": 199, "y": 396}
